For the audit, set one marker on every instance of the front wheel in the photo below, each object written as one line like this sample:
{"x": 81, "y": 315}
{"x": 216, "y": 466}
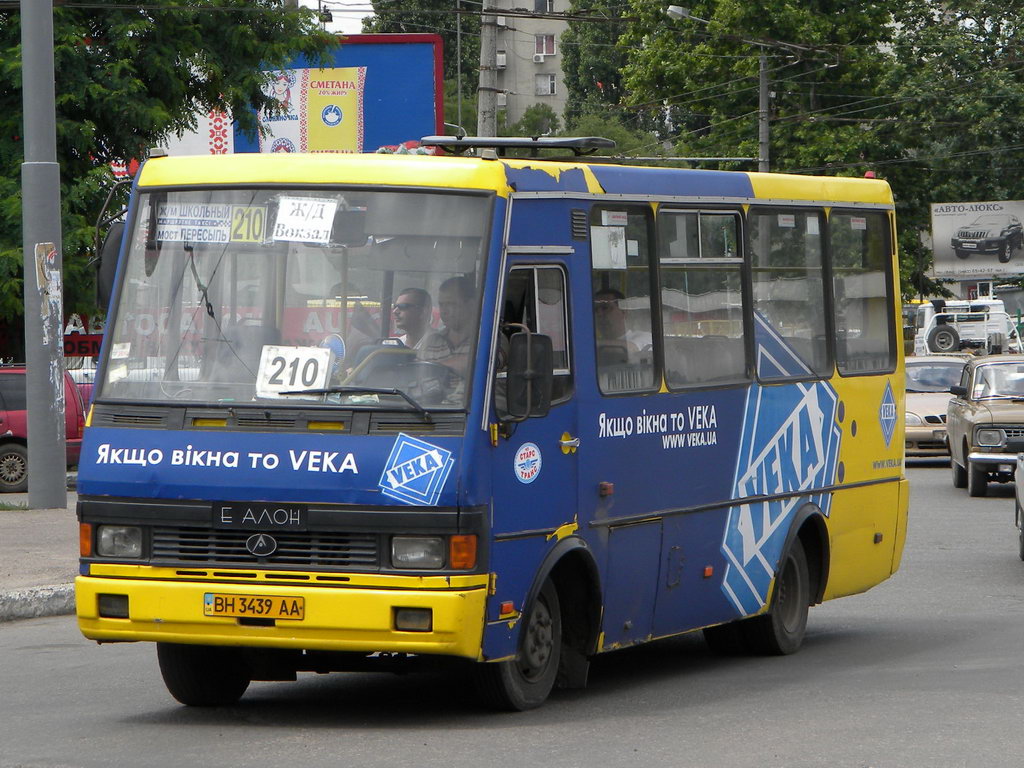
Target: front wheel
{"x": 526, "y": 681}
{"x": 13, "y": 468}
{"x": 202, "y": 675}
{"x": 1020, "y": 530}
{"x": 1005, "y": 252}
{"x": 781, "y": 630}
{"x": 977, "y": 480}
{"x": 962, "y": 254}
{"x": 959, "y": 474}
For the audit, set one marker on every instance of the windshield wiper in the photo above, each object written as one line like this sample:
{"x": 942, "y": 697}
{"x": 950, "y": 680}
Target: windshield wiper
{"x": 343, "y": 390}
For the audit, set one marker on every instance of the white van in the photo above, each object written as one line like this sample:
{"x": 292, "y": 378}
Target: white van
{"x": 944, "y": 326}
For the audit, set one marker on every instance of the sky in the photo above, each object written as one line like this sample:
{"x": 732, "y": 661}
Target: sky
{"x": 347, "y": 14}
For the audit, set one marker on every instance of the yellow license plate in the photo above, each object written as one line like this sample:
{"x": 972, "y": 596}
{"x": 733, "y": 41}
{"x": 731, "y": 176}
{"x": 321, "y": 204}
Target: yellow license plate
{"x": 254, "y": 606}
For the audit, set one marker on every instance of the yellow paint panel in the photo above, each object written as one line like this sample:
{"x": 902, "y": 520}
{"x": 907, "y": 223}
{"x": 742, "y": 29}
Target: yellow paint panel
{"x": 820, "y": 188}
{"x": 857, "y": 517}
{"x": 327, "y": 168}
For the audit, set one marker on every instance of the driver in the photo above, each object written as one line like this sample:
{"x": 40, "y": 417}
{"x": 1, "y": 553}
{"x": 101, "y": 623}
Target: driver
{"x": 451, "y": 345}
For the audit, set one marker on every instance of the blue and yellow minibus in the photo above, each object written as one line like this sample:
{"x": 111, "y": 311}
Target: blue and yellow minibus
{"x": 636, "y": 402}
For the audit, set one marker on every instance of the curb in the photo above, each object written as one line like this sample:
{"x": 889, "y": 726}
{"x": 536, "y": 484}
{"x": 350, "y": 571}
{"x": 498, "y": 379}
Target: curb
{"x": 35, "y": 602}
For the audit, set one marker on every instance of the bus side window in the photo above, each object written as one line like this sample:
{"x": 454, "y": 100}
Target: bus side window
{"x": 535, "y": 297}
{"x": 789, "y": 292}
{"x": 620, "y": 246}
{"x": 861, "y": 250}
{"x": 701, "y": 297}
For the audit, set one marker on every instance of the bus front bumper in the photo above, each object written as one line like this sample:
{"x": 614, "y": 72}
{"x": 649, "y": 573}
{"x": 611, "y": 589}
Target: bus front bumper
{"x": 357, "y": 618}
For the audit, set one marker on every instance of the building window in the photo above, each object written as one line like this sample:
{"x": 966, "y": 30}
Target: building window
{"x": 544, "y": 45}
{"x": 543, "y": 6}
{"x": 545, "y": 85}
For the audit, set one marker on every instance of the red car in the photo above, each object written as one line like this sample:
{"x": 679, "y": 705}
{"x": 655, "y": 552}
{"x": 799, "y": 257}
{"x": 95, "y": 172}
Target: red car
{"x": 14, "y": 427}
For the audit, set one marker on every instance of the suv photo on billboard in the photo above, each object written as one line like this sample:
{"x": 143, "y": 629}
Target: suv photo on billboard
{"x": 993, "y": 233}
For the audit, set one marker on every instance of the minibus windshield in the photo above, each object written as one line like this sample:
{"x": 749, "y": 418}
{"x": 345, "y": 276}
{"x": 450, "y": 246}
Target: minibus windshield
{"x": 277, "y": 296}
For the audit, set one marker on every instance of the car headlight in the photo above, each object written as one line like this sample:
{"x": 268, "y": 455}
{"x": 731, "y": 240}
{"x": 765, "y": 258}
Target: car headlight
{"x": 417, "y": 552}
{"x": 989, "y": 437}
{"x": 913, "y": 420}
{"x": 119, "y": 541}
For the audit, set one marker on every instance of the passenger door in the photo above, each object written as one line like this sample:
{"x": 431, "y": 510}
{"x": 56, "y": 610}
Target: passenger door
{"x": 534, "y": 468}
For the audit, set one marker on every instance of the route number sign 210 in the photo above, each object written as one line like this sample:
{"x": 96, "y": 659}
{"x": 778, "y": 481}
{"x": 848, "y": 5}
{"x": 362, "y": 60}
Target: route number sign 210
{"x": 286, "y": 369}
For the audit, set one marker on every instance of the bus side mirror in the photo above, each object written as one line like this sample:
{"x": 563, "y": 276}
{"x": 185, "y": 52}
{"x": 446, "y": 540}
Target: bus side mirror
{"x": 107, "y": 267}
{"x": 530, "y": 376}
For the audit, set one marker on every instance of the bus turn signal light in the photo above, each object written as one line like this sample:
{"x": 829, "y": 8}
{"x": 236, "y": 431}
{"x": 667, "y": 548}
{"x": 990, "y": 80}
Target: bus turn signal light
{"x": 462, "y": 552}
{"x": 85, "y": 539}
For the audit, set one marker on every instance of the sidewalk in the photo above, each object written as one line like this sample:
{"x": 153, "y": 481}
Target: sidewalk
{"x": 38, "y": 558}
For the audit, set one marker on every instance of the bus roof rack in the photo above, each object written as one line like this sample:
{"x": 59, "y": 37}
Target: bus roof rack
{"x": 579, "y": 145}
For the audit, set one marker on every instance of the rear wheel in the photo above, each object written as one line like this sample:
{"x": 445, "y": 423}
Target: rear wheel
{"x": 13, "y": 468}
{"x": 202, "y": 675}
{"x": 781, "y": 630}
{"x": 977, "y": 479}
{"x": 526, "y": 681}
{"x": 943, "y": 338}
{"x": 1020, "y": 530}
{"x": 959, "y": 474}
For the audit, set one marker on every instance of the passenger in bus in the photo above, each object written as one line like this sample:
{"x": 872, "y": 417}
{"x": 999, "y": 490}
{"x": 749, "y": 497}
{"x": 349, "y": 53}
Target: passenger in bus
{"x": 616, "y": 343}
{"x": 452, "y": 344}
{"x": 412, "y": 312}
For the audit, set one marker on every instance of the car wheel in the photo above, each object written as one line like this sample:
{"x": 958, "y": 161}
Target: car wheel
{"x": 1020, "y": 529}
{"x": 1005, "y": 252}
{"x": 781, "y": 630}
{"x": 977, "y": 480}
{"x": 13, "y": 468}
{"x": 943, "y": 338}
{"x": 962, "y": 254}
{"x": 959, "y": 474}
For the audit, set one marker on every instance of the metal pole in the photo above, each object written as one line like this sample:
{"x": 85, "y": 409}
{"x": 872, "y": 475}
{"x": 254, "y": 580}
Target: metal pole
{"x": 762, "y": 114}
{"x": 487, "y": 91}
{"x": 40, "y": 201}
{"x": 458, "y": 58}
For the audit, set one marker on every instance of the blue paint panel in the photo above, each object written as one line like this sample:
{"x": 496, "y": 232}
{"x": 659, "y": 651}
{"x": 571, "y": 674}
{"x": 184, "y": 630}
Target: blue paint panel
{"x": 546, "y": 222}
{"x": 633, "y": 565}
{"x": 619, "y": 180}
{"x": 311, "y": 467}
{"x": 399, "y": 99}
{"x": 544, "y": 179}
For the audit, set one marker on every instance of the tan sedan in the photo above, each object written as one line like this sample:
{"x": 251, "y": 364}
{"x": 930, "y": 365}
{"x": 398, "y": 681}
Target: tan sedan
{"x": 929, "y": 378}
{"x": 985, "y": 422}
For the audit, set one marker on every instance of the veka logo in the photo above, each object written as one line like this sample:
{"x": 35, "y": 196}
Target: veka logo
{"x": 887, "y": 414}
{"x": 416, "y": 471}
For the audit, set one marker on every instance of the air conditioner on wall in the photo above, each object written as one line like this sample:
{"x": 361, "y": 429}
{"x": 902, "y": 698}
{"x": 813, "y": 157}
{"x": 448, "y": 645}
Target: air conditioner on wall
{"x": 538, "y": 58}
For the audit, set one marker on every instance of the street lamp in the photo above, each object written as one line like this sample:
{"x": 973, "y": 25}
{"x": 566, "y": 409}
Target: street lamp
{"x": 679, "y": 12}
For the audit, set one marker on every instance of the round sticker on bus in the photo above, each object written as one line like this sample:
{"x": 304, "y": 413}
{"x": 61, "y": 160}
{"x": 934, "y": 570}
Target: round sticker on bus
{"x": 527, "y": 463}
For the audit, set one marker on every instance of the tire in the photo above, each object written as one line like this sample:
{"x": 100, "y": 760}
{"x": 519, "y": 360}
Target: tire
{"x": 1020, "y": 529}
{"x": 959, "y": 474}
{"x": 13, "y": 468}
{"x": 202, "y": 675}
{"x": 781, "y": 630}
{"x": 526, "y": 681}
{"x": 977, "y": 480}
{"x": 960, "y": 254}
{"x": 1005, "y": 252}
{"x": 944, "y": 339}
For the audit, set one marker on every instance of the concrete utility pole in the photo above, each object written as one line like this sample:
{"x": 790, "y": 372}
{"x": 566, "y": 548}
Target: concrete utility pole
{"x": 487, "y": 91}
{"x": 762, "y": 114}
{"x": 44, "y": 319}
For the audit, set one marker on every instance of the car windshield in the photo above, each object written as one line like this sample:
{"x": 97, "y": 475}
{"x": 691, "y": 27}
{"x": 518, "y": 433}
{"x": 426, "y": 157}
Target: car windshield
{"x": 933, "y": 376}
{"x": 276, "y": 295}
{"x": 999, "y": 380}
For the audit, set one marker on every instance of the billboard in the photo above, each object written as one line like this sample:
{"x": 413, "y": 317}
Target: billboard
{"x": 972, "y": 240}
{"x": 373, "y": 91}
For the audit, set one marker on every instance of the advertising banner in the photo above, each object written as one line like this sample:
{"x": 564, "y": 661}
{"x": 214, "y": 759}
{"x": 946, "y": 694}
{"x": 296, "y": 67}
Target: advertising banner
{"x": 978, "y": 239}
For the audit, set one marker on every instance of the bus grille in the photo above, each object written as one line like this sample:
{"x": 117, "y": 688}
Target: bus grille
{"x": 312, "y": 548}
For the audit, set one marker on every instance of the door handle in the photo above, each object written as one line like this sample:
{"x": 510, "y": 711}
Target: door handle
{"x": 569, "y": 443}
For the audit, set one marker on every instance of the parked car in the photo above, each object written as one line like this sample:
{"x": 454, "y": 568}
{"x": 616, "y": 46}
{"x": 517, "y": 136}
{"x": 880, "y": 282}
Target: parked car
{"x": 985, "y": 422}
{"x": 928, "y": 381}
{"x": 992, "y": 233}
{"x": 14, "y": 427}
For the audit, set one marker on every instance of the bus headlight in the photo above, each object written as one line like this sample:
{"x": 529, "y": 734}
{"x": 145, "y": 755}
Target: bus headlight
{"x": 119, "y": 541}
{"x": 417, "y": 551}
{"x": 990, "y": 438}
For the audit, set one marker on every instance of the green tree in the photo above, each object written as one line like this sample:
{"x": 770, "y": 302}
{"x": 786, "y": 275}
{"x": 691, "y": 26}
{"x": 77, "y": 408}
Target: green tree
{"x": 126, "y": 78}
{"x": 537, "y": 120}
{"x": 440, "y": 17}
{"x": 591, "y": 60}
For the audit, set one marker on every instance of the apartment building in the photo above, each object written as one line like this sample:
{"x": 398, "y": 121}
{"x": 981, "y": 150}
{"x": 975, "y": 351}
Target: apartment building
{"x": 530, "y": 57}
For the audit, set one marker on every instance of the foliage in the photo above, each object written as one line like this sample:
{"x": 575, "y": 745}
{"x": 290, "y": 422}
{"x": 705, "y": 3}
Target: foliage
{"x": 125, "y": 79}
{"x": 591, "y": 61}
{"x": 537, "y": 120}
{"x": 440, "y": 17}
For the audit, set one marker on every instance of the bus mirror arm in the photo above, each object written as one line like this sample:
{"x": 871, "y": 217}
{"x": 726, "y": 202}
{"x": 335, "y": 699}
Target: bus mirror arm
{"x": 530, "y": 375}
